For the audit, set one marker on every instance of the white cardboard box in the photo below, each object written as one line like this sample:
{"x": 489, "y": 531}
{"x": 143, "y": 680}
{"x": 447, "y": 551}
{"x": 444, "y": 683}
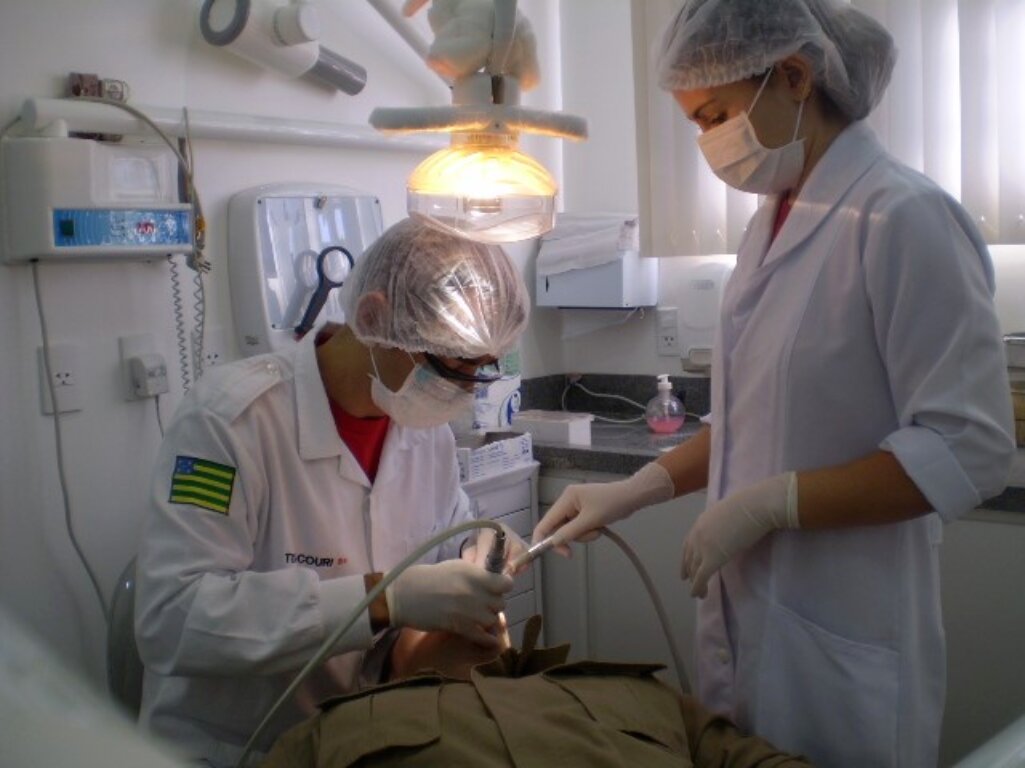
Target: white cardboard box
{"x": 555, "y": 426}
{"x": 492, "y": 453}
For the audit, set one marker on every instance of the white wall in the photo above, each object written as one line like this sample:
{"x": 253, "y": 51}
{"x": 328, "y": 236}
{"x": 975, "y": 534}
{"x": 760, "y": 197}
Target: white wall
{"x": 600, "y": 175}
{"x": 110, "y": 444}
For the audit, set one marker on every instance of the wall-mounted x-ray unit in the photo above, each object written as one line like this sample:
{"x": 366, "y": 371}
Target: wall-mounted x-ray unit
{"x": 275, "y": 235}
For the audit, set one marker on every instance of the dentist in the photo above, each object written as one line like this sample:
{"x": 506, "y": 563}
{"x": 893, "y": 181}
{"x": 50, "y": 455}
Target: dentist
{"x": 859, "y": 396}
{"x": 289, "y": 482}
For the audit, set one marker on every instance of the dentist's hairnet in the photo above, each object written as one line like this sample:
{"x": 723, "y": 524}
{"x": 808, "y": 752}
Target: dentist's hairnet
{"x": 714, "y": 42}
{"x": 442, "y": 294}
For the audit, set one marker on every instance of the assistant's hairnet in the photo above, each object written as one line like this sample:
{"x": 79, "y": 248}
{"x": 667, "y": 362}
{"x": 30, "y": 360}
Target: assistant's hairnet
{"x": 442, "y": 294}
{"x": 714, "y": 42}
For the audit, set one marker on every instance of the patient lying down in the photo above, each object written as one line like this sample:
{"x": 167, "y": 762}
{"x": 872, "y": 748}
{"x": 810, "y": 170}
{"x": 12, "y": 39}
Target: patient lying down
{"x": 451, "y": 703}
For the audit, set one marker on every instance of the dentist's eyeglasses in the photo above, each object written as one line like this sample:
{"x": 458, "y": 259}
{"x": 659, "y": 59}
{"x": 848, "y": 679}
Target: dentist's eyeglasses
{"x": 487, "y": 371}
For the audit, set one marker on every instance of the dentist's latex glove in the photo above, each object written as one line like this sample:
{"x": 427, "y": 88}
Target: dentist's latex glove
{"x": 582, "y": 509}
{"x": 463, "y": 40}
{"x": 735, "y": 523}
{"x": 477, "y": 553}
{"x": 454, "y": 596}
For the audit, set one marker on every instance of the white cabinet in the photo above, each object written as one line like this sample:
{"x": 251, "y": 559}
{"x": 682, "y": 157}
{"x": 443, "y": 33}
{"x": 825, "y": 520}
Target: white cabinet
{"x": 511, "y": 498}
{"x": 982, "y": 566}
{"x": 596, "y": 601}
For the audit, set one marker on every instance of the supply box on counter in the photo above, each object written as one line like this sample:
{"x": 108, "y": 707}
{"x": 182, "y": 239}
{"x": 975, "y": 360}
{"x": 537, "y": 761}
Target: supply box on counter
{"x": 555, "y": 426}
{"x": 492, "y": 453}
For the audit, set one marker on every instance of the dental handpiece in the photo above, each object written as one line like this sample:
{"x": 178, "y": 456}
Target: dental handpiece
{"x": 496, "y": 555}
{"x": 495, "y": 563}
{"x": 534, "y": 552}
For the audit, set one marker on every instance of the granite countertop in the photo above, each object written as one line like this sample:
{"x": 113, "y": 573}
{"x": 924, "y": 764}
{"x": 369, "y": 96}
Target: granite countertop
{"x": 622, "y": 449}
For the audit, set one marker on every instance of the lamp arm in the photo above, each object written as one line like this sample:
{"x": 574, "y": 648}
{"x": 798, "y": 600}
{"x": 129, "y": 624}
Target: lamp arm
{"x": 502, "y": 36}
{"x": 405, "y": 30}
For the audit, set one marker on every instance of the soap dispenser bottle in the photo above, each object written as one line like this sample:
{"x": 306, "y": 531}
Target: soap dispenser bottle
{"x": 664, "y": 412}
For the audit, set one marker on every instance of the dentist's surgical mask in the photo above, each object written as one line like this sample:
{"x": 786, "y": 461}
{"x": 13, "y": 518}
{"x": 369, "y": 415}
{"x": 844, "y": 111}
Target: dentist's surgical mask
{"x": 737, "y": 156}
{"x": 424, "y": 400}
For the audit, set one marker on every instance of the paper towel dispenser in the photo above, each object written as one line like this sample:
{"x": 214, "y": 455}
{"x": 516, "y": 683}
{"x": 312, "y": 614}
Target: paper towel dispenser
{"x": 593, "y": 261}
{"x": 700, "y": 296}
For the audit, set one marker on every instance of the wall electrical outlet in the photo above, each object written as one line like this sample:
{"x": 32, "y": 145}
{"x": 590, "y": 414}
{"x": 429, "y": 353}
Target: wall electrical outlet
{"x": 215, "y": 349}
{"x": 65, "y": 372}
{"x": 667, "y": 338}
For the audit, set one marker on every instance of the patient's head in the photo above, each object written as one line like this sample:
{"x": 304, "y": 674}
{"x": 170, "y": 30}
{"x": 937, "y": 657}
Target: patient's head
{"x": 451, "y": 655}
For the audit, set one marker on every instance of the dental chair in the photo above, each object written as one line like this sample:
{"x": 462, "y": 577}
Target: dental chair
{"x": 124, "y": 667}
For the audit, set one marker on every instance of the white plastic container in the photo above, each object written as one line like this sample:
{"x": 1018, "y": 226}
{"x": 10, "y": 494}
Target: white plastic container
{"x": 555, "y": 426}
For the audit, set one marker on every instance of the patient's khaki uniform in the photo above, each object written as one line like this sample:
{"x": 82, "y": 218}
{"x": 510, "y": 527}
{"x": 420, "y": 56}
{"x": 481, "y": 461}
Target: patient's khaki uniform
{"x": 526, "y": 710}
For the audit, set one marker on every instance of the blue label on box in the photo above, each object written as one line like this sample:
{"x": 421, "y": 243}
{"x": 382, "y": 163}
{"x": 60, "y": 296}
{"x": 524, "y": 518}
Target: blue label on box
{"x": 77, "y": 227}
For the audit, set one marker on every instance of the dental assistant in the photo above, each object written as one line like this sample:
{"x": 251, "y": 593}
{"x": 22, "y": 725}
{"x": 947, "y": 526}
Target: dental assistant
{"x": 289, "y": 482}
{"x": 859, "y": 394}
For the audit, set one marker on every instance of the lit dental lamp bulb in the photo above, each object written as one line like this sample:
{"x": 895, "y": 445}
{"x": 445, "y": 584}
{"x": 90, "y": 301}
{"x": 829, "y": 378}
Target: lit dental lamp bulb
{"x": 481, "y": 187}
{"x": 484, "y": 188}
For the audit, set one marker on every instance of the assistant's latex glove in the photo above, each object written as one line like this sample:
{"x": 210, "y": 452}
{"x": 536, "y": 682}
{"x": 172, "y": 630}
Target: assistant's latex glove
{"x": 582, "y": 509}
{"x": 462, "y": 40}
{"x": 455, "y": 596}
{"x": 734, "y": 524}
{"x": 477, "y": 553}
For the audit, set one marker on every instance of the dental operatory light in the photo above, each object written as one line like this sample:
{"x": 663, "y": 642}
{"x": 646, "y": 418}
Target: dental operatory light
{"x": 482, "y": 186}
{"x": 485, "y": 188}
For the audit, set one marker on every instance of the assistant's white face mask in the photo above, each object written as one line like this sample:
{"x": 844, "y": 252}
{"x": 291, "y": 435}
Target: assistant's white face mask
{"x": 737, "y": 156}
{"x": 425, "y": 399}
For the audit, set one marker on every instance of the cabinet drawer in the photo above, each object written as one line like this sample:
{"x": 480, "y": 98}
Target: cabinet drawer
{"x": 501, "y": 501}
{"x": 519, "y": 521}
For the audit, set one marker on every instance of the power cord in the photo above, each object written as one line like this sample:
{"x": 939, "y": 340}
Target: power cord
{"x": 607, "y": 419}
{"x": 48, "y": 371}
{"x": 580, "y": 386}
{"x": 160, "y": 418}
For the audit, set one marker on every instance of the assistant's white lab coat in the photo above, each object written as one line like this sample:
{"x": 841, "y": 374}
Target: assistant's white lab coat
{"x": 230, "y": 606}
{"x": 868, "y": 323}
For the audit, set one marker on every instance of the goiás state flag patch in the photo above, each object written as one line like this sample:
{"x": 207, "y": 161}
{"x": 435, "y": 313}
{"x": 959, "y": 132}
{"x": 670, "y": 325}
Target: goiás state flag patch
{"x": 202, "y": 483}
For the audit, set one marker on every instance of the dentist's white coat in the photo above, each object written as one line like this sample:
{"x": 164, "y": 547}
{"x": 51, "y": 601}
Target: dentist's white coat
{"x": 868, "y": 323}
{"x": 230, "y": 607}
